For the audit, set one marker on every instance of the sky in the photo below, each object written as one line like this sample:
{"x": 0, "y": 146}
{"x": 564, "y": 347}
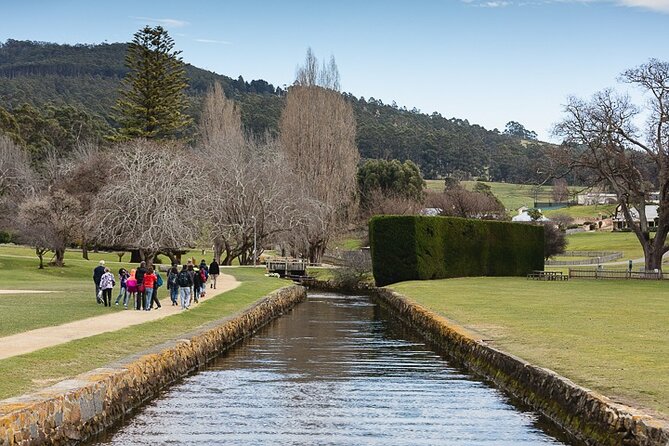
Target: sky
{"x": 487, "y": 61}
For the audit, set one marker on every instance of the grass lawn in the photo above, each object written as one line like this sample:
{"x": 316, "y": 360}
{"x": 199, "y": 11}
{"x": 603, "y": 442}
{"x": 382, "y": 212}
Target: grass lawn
{"x": 611, "y": 336}
{"x": 625, "y": 242}
{"x": 75, "y": 300}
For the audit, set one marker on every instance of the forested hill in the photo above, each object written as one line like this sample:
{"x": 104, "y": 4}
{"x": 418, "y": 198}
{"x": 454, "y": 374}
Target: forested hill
{"x": 84, "y": 80}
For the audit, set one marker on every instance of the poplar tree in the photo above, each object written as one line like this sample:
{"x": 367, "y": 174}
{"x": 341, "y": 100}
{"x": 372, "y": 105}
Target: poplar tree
{"x": 152, "y": 101}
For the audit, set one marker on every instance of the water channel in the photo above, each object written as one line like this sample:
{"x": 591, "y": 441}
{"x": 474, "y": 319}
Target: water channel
{"x": 335, "y": 371}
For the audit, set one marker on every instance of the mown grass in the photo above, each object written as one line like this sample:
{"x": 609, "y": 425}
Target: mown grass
{"x": 70, "y": 296}
{"x": 611, "y": 336}
{"x": 625, "y": 242}
{"x": 28, "y": 372}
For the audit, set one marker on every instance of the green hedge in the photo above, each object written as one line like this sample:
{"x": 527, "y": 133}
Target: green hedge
{"x": 418, "y": 247}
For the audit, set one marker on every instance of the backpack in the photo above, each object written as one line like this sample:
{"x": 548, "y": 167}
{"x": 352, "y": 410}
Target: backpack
{"x": 203, "y": 275}
{"x": 159, "y": 280}
{"x": 183, "y": 279}
{"x": 171, "y": 279}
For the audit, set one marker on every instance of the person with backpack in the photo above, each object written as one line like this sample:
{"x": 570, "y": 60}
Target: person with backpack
{"x": 204, "y": 275}
{"x": 185, "y": 282}
{"x": 172, "y": 284}
{"x": 197, "y": 285}
{"x": 141, "y": 291}
{"x": 106, "y": 284}
{"x": 154, "y": 295}
{"x": 214, "y": 271}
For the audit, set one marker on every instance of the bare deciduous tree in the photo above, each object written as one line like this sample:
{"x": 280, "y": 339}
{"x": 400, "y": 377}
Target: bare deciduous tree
{"x": 317, "y": 131}
{"x": 249, "y": 184}
{"x": 150, "y": 201}
{"x": 384, "y": 203}
{"x": 17, "y": 179}
{"x": 560, "y": 190}
{"x": 600, "y": 137}
{"x": 460, "y": 202}
{"x": 49, "y": 223}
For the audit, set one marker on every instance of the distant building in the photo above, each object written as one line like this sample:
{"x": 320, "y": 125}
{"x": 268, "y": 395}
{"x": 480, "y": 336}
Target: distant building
{"x": 620, "y": 224}
{"x": 430, "y": 212}
{"x": 524, "y": 217}
{"x": 595, "y": 198}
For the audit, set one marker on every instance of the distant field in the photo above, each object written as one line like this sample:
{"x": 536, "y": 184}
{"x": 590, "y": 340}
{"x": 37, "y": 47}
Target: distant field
{"x": 511, "y": 195}
{"x": 583, "y": 211}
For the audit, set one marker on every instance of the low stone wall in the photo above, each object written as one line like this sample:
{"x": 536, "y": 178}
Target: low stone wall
{"x": 79, "y": 408}
{"x": 587, "y": 415}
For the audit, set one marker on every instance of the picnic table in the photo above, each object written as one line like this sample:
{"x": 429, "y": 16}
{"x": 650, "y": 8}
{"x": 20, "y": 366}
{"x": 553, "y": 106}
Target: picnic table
{"x": 547, "y": 275}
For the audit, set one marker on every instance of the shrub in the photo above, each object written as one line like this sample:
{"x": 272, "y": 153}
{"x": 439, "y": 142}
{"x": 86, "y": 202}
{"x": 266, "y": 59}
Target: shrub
{"x": 419, "y": 247}
{"x": 5, "y": 237}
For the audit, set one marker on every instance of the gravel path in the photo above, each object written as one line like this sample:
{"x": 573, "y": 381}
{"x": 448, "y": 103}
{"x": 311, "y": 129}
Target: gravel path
{"x": 30, "y": 341}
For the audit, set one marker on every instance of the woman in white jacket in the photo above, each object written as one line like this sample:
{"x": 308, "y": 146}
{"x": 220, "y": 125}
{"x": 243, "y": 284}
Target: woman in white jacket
{"x": 106, "y": 284}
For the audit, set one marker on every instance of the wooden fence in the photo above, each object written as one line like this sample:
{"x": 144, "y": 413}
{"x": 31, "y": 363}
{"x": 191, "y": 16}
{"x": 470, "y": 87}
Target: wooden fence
{"x": 616, "y": 274}
{"x": 595, "y": 258}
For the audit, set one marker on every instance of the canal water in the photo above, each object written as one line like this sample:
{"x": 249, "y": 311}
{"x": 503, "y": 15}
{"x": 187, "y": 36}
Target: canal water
{"x": 335, "y": 371}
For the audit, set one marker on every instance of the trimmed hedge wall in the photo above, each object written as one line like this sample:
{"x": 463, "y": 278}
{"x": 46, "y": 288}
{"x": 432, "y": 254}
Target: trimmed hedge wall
{"x": 419, "y": 247}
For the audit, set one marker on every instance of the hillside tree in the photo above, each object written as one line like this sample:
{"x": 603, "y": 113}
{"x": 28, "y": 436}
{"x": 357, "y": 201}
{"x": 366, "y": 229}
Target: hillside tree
{"x": 390, "y": 177}
{"x": 152, "y": 102}
{"x": 601, "y": 138}
{"x": 317, "y": 134}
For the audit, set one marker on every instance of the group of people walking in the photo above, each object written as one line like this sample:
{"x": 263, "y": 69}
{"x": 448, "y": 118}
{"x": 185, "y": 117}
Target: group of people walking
{"x": 141, "y": 285}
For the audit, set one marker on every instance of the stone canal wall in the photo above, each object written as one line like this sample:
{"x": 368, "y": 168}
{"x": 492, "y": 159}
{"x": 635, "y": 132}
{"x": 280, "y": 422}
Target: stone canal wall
{"x": 79, "y": 408}
{"x": 587, "y": 415}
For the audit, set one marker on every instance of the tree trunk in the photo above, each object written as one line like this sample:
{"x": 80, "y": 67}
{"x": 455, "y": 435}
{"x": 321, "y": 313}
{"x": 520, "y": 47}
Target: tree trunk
{"x": 84, "y": 251}
{"x": 316, "y": 251}
{"x": 59, "y": 257}
{"x": 218, "y": 250}
{"x": 40, "y": 255}
{"x": 135, "y": 256}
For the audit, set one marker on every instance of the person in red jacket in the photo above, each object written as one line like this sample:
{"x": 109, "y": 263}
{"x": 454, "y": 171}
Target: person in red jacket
{"x": 149, "y": 280}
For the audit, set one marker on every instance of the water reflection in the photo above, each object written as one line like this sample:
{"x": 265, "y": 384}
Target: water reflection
{"x": 332, "y": 372}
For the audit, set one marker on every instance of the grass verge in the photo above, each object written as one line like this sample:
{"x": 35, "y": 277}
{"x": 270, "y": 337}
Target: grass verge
{"x": 610, "y": 336}
{"x": 35, "y": 370}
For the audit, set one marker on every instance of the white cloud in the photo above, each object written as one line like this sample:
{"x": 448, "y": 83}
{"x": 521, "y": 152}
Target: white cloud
{"x": 222, "y": 42}
{"x": 654, "y": 5}
{"x": 172, "y": 23}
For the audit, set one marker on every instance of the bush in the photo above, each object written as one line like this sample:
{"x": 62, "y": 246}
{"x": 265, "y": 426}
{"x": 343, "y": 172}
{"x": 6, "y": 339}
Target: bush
{"x": 418, "y": 247}
{"x": 5, "y": 237}
{"x": 356, "y": 272}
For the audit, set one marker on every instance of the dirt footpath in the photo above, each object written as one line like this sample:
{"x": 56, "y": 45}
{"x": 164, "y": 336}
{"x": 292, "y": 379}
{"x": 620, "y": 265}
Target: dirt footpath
{"x": 30, "y": 341}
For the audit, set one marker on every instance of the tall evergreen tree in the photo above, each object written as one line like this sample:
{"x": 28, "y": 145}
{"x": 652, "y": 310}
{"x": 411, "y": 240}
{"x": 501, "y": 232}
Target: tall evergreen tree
{"x": 152, "y": 100}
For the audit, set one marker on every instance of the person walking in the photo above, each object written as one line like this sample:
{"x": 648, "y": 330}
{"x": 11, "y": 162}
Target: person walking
{"x": 123, "y": 291}
{"x": 185, "y": 282}
{"x": 139, "y": 275}
{"x": 106, "y": 285}
{"x": 172, "y": 285}
{"x": 131, "y": 283}
{"x": 197, "y": 283}
{"x": 149, "y": 281}
{"x": 98, "y": 271}
{"x": 214, "y": 271}
{"x": 204, "y": 276}
{"x": 154, "y": 295}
